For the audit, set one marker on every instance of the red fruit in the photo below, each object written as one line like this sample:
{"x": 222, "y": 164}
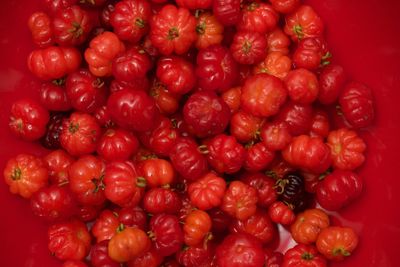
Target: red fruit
{"x": 297, "y": 116}
{"x": 69, "y": 240}
{"x": 209, "y": 31}
{"x": 166, "y": 102}
{"x": 25, "y": 174}
{"x": 206, "y": 114}
{"x": 320, "y": 124}
{"x": 207, "y": 192}
{"x": 308, "y": 153}
{"x": 71, "y": 26}
{"x": 275, "y": 135}
{"x": 311, "y": 53}
{"x": 130, "y": 19}
{"x": 187, "y": 159}
{"x": 122, "y": 184}
{"x": 302, "y": 86}
{"x": 57, "y": 164}
{"x": 232, "y": 98}
{"x": 157, "y": 172}
{"x": 264, "y": 185}
{"x": 357, "y": 104}
{"x": 196, "y": 4}
{"x": 166, "y": 234}
{"x": 285, "y": 7}
{"x": 240, "y": 200}
{"x": 304, "y": 22}
{"x": 51, "y": 139}
{"x": 195, "y": 256}
{"x": 176, "y": 74}
{"x": 133, "y": 217}
{"x": 331, "y": 81}
{"x": 240, "y": 250}
{"x": 196, "y": 228}
{"x": 173, "y": 30}
{"x": 105, "y": 226}
{"x": 132, "y": 109}
{"x": 161, "y": 200}
{"x": 303, "y": 255}
{"x": 149, "y": 259}
{"x": 86, "y": 180}
{"x": 117, "y": 145}
{"x": 131, "y": 65}
{"x": 225, "y": 154}
{"x": 74, "y": 264}
{"x": 263, "y": 95}
{"x": 99, "y": 255}
{"x": 258, "y": 17}
{"x": 259, "y": 225}
{"x": 80, "y": 134}
{"x": 339, "y": 189}
{"x": 54, "y": 6}
{"x": 228, "y": 12}
{"x": 244, "y": 127}
{"x": 279, "y": 212}
{"x": 278, "y": 41}
{"x": 39, "y": 24}
{"x": 53, "y": 203}
{"x": 216, "y": 69}
{"x": 249, "y": 47}
{"x": 53, "y": 97}
{"x": 276, "y": 64}
{"x": 28, "y": 119}
{"x": 258, "y": 157}
{"x": 85, "y": 91}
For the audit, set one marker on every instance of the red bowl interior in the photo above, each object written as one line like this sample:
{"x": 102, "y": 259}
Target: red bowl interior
{"x": 363, "y": 37}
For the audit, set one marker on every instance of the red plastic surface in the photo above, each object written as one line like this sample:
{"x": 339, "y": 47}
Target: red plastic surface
{"x": 364, "y": 37}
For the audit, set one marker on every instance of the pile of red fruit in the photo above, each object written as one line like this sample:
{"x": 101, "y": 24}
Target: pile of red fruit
{"x": 182, "y": 133}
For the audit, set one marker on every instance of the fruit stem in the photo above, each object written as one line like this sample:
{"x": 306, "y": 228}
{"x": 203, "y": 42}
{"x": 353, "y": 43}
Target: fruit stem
{"x": 16, "y": 174}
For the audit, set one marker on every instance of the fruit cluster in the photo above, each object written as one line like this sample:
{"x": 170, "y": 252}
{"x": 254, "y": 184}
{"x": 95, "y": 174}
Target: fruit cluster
{"x": 181, "y": 133}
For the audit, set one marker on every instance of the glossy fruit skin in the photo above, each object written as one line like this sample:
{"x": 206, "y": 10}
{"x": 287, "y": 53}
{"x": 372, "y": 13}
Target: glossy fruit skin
{"x": 297, "y": 116}
{"x": 308, "y": 153}
{"x": 130, "y": 19}
{"x": 28, "y": 119}
{"x": 85, "y": 91}
{"x": 303, "y": 255}
{"x": 57, "y": 163}
{"x": 311, "y": 53}
{"x": 264, "y": 185}
{"x": 227, "y": 11}
{"x": 259, "y": 225}
{"x": 131, "y": 65}
{"x": 291, "y": 191}
{"x": 39, "y": 24}
{"x": 303, "y": 23}
{"x": 308, "y": 225}
{"x": 337, "y": 243}
{"x": 281, "y": 213}
{"x": 99, "y": 255}
{"x": 248, "y": 47}
{"x": 285, "y": 7}
{"x": 80, "y": 134}
{"x": 263, "y": 95}
{"x": 161, "y": 200}
{"x": 122, "y": 186}
{"x": 101, "y": 51}
{"x": 197, "y": 4}
{"x": 173, "y": 30}
{"x": 258, "y": 17}
{"x": 278, "y": 41}
{"x": 339, "y": 189}
{"x": 187, "y": 160}
{"x": 105, "y": 226}
{"x": 167, "y": 234}
{"x": 127, "y": 244}
{"x": 258, "y": 157}
{"x": 331, "y": 81}
{"x": 69, "y": 240}
{"x": 225, "y": 154}
{"x": 117, "y": 145}
{"x": 196, "y": 227}
{"x": 53, "y": 203}
{"x": 148, "y": 259}
{"x": 133, "y": 217}
{"x": 86, "y": 180}
{"x": 357, "y": 104}
{"x": 132, "y": 109}
{"x": 157, "y": 172}
{"x": 53, "y": 62}
{"x": 207, "y": 192}
{"x": 216, "y": 69}
{"x": 71, "y": 26}
{"x": 166, "y": 102}
{"x": 276, "y": 64}
{"x": 320, "y": 124}
{"x": 195, "y": 256}
{"x": 177, "y": 74}
{"x": 25, "y": 174}
{"x": 206, "y": 114}
{"x": 302, "y": 86}
{"x": 232, "y": 98}
{"x": 54, "y": 6}
{"x": 53, "y": 97}
{"x": 240, "y": 250}
{"x": 347, "y": 149}
{"x": 51, "y": 139}
{"x": 243, "y": 194}
{"x": 275, "y": 135}
{"x": 209, "y": 31}
{"x": 244, "y": 126}
{"x": 74, "y": 264}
